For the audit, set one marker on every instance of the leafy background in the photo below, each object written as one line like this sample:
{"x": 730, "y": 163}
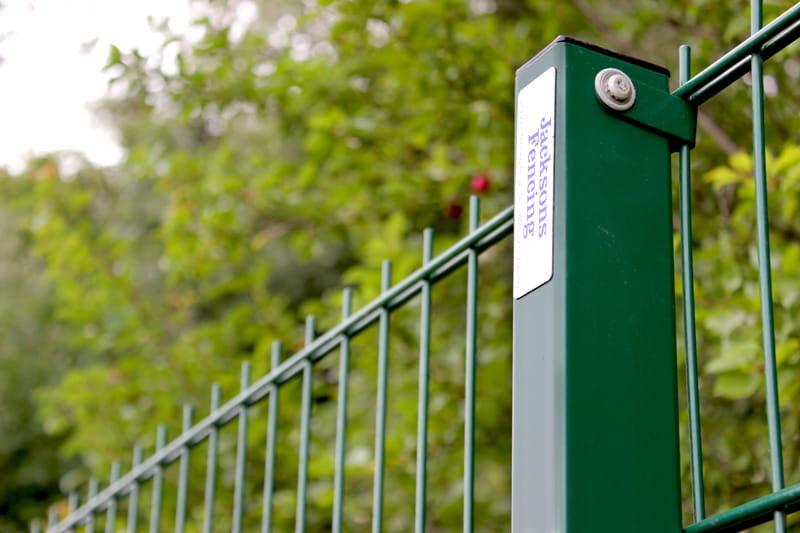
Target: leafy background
{"x": 268, "y": 166}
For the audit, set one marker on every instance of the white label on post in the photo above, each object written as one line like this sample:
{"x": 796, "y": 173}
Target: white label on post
{"x": 533, "y": 184}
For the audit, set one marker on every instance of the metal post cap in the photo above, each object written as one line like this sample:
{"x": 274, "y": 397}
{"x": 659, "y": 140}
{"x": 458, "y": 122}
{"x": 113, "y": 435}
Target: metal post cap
{"x": 615, "y": 89}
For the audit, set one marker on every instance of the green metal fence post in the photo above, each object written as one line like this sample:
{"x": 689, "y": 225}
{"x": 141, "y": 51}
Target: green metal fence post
{"x": 595, "y": 440}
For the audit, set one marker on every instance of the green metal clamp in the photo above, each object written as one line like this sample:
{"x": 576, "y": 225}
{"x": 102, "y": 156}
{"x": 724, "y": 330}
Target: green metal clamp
{"x": 644, "y": 105}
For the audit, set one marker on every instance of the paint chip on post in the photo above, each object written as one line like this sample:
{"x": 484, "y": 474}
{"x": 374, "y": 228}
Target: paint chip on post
{"x": 533, "y": 184}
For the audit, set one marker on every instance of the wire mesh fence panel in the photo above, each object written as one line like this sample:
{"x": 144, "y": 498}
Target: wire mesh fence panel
{"x": 284, "y": 453}
{"x": 352, "y": 428}
{"x": 763, "y": 441}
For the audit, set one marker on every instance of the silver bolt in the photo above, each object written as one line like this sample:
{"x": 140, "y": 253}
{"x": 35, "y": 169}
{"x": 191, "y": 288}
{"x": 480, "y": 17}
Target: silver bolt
{"x": 619, "y": 88}
{"x": 615, "y": 89}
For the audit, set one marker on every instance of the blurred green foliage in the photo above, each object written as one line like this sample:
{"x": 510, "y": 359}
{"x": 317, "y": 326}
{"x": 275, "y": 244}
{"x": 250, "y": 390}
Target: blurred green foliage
{"x": 270, "y": 164}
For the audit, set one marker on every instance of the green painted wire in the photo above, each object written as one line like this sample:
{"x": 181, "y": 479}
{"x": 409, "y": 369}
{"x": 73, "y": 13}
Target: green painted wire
{"x": 764, "y": 267}
{"x": 158, "y": 483}
{"x": 241, "y": 456}
{"x": 94, "y": 487}
{"x": 272, "y": 442}
{"x": 380, "y": 407}
{"x": 423, "y": 389}
{"x": 341, "y": 418}
{"x": 183, "y": 474}
{"x": 211, "y": 464}
{"x": 690, "y": 339}
{"x": 305, "y": 434}
{"x": 111, "y": 512}
{"x": 72, "y": 505}
{"x": 470, "y": 367}
{"x": 52, "y": 517}
{"x": 133, "y": 497}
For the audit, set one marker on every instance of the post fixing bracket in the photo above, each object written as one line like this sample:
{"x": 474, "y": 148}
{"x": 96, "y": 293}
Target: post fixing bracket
{"x": 646, "y": 106}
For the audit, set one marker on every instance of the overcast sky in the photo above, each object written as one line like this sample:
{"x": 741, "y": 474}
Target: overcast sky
{"x": 50, "y": 74}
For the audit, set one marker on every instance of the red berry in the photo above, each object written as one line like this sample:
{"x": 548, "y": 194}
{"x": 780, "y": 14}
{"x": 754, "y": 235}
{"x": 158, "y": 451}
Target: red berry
{"x": 479, "y": 182}
{"x": 454, "y": 211}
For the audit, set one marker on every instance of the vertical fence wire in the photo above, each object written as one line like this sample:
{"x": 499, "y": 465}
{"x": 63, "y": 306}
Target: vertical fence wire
{"x": 158, "y": 483}
{"x": 423, "y": 389}
{"x": 241, "y": 455}
{"x": 305, "y": 433}
{"x": 272, "y": 437}
{"x": 94, "y": 487}
{"x": 111, "y": 513}
{"x": 341, "y": 417}
{"x": 183, "y": 474}
{"x": 380, "y": 406}
{"x": 133, "y": 497}
{"x": 469, "y": 377}
{"x": 764, "y": 267}
{"x": 211, "y": 465}
{"x": 72, "y": 505}
{"x": 690, "y": 337}
{"x": 52, "y": 517}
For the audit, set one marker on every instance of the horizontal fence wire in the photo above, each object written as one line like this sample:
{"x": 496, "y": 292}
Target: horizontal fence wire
{"x": 765, "y": 42}
{"x": 748, "y": 56}
{"x": 750, "y": 514}
{"x": 103, "y": 504}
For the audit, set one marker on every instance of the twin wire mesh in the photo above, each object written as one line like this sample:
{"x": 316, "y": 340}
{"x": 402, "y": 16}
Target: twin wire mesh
{"x": 748, "y": 56}
{"x": 141, "y": 492}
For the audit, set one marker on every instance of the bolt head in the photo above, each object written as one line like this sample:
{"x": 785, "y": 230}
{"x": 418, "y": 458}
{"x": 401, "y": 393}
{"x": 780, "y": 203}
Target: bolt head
{"x": 618, "y": 88}
{"x": 615, "y": 89}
